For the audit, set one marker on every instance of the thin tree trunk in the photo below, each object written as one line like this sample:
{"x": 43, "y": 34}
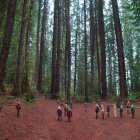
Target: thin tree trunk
{"x": 37, "y": 44}
{"x": 122, "y": 73}
{"x": 66, "y": 53}
{"x": 68, "y": 44}
{"x": 85, "y": 33}
{"x": 42, "y": 47}
{"x": 92, "y": 44}
{"x": 25, "y": 83}
{"x": 7, "y": 40}
{"x": 57, "y": 86}
{"x": 97, "y": 47}
{"x": 102, "y": 45}
{"x": 75, "y": 61}
{"x": 53, "y": 78}
{"x": 17, "y": 84}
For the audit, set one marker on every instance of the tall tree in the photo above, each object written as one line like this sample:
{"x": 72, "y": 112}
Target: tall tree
{"x": 85, "y": 43}
{"x": 119, "y": 40}
{"x": 57, "y": 85}
{"x": 97, "y": 49}
{"x": 42, "y": 46}
{"x": 7, "y": 39}
{"x": 25, "y": 82}
{"x": 37, "y": 43}
{"x": 75, "y": 60}
{"x": 54, "y": 45}
{"x": 17, "y": 84}
{"x": 68, "y": 44}
{"x": 102, "y": 45}
{"x": 92, "y": 44}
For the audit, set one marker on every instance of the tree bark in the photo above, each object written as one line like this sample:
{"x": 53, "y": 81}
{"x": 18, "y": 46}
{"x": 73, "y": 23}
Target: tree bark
{"x": 37, "y": 44}
{"x": 119, "y": 40}
{"x": 54, "y": 43}
{"x": 7, "y": 39}
{"x": 57, "y": 86}
{"x": 42, "y": 47}
{"x": 68, "y": 44}
{"x": 85, "y": 33}
{"x": 92, "y": 44}
{"x": 75, "y": 61}
{"x": 102, "y": 45}
{"x": 25, "y": 82}
{"x": 17, "y": 84}
{"x": 97, "y": 48}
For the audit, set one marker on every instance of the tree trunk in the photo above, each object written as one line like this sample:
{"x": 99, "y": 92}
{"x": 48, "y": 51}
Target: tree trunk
{"x": 68, "y": 44}
{"x": 17, "y": 84}
{"x": 37, "y": 44}
{"x": 57, "y": 85}
{"x": 102, "y": 45}
{"x": 75, "y": 61}
{"x": 42, "y": 47}
{"x": 53, "y": 78}
{"x": 97, "y": 48}
{"x": 7, "y": 39}
{"x": 85, "y": 33}
{"x": 25, "y": 82}
{"x": 92, "y": 44}
{"x": 122, "y": 73}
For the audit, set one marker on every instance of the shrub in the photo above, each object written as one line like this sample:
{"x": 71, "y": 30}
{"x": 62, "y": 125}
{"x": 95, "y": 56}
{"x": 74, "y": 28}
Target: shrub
{"x": 31, "y": 97}
{"x": 1, "y": 101}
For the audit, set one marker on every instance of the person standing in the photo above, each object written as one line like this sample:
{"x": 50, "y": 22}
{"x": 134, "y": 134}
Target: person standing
{"x": 115, "y": 110}
{"x": 59, "y": 113}
{"x": 97, "y": 110}
{"x": 121, "y": 110}
{"x": 133, "y": 111}
{"x": 65, "y": 109}
{"x": 128, "y": 106}
{"x": 69, "y": 115}
{"x": 85, "y": 105}
{"x": 108, "y": 110}
{"x": 102, "y": 109}
{"x": 18, "y": 107}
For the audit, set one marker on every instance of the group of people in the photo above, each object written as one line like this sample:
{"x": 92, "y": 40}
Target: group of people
{"x": 67, "y": 113}
{"x": 115, "y": 109}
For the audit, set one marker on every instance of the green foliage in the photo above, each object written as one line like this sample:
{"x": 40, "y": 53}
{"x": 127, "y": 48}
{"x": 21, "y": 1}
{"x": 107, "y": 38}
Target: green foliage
{"x": 10, "y": 97}
{"x": 133, "y": 96}
{"x": 116, "y": 99}
{"x": 1, "y": 101}
{"x": 80, "y": 99}
{"x": 31, "y": 97}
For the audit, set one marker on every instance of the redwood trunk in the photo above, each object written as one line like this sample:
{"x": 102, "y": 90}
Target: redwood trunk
{"x": 97, "y": 47}
{"x": 53, "y": 78}
{"x": 26, "y": 79}
{"x": 7, "y": 39}
{"x": 102, "y": 45}
{"x": 57, "y": 86}
{"x": 75, "y": 61}
{"x": 92, "y": 44}
{"x": 85, "y": 33}
{"x": 17, "y": 84}
{"x": 122, "y": 73}
{"x": 39, "y": 86}
{"x": 37, "y": 44}
{"x": 68, "y": 38}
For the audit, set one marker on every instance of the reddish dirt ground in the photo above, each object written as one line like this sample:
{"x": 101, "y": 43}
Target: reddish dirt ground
{"x": 39, "y": 122}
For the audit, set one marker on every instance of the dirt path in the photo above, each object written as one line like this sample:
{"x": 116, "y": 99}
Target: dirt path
{"x": 39, "y": 122}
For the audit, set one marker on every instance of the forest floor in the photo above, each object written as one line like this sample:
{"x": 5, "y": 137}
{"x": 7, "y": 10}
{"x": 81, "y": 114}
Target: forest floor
{"x": 39, "y": 122}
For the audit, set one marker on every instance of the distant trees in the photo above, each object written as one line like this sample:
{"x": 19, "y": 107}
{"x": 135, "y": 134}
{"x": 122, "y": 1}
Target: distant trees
{"x": 72, "y": 49}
